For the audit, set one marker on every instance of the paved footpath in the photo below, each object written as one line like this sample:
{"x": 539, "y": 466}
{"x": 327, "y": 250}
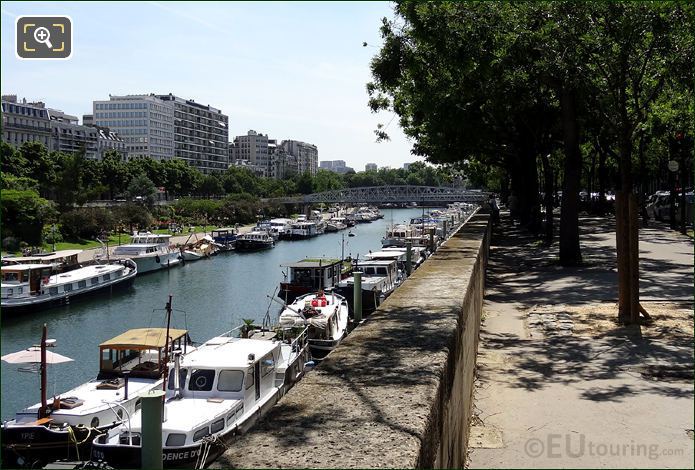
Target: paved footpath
{"x": 577, "y": 400}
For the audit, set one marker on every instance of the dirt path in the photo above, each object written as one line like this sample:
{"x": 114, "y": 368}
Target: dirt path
{"x": 559, "y": 383}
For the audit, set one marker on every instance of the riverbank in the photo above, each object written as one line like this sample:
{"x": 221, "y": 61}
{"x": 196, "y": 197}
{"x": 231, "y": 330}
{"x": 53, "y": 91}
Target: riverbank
{"x": 559, "y": 383}
{"x": 90, "y": 253}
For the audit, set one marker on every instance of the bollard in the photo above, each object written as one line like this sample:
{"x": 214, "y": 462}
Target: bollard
{"x": 408, "y": 257}
{"x": 432, "y": 247}
{"x": 152, "y": 414}
{"x": 446, "y": 229}
{"x": 357, "y": 296}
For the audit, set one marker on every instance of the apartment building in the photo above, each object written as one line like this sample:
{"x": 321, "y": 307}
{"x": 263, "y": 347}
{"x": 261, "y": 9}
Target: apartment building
{"x": 201, "y": 134}
{"x": 24, "y": 122}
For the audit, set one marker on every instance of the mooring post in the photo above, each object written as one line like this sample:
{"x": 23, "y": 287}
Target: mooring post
{"x": 408, "y": 257}
{"x": 446, "y": 231}
{"x": 152, "y": 415}
{"x": 432, "y": 247}
{"x": 357, "y": 296}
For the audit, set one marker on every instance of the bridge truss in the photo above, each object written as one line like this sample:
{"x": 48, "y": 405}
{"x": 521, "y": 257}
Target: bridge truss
{"x": 398, "y": 194}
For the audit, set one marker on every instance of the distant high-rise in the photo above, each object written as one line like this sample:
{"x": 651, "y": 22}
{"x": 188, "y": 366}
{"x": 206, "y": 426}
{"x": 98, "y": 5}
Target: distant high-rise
{"x": 370, "y": 167}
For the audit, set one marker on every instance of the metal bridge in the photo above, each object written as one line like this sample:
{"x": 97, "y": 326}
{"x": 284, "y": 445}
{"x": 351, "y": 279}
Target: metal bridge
{"x": 402, "y": 194}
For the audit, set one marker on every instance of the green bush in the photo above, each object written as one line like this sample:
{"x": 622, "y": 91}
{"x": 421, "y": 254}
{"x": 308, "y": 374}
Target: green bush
{"x": 85, "y": 224}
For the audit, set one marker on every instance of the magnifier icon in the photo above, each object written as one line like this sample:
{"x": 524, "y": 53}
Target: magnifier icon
{"x": 43, "y": 35}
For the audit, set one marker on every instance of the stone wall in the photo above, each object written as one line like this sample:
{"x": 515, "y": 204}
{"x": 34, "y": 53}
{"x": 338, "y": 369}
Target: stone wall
{"x": 397, "y": 392}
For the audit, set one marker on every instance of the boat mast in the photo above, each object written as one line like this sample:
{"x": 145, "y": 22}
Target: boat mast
{"x": 166, "y": 346}
{"x": 44, "y": 406}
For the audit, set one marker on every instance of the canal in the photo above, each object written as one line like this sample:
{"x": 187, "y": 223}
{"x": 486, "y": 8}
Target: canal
{"x": 210, "y": 296}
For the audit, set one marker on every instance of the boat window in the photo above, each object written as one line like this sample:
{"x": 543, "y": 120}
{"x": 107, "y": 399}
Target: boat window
{"x": 217, "y": 426}
{"x": 67, "y": 287}
{"x": 175, "y": 440}
{"x": 94, "y": 280}
{"x": 52, "y": 290}
{"x": 230, "y": 381}
{"x": 11, "y": 277}
{"x": 10, "y": 291}
{"x": 201, "y": 433}
{"x": 382, "y": 271}
{"x": 107, "y": 277}
{"x": 267, "y": 365}
{"x": 249, "y": 378}
{"x": 19, "y": 291}
{"x": 81, "y": 284}
{"x": 182, "y": 378}
{"x": 201, "y": 380}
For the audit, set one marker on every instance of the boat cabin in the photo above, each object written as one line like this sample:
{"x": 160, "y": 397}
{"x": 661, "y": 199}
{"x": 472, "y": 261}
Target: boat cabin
{"x": 225, "y": 236}
{"x": 314, "y": 274}
{"x": 147, "y": 238}
{"x": 379, "y": 268}
{"x": 61, "y": 261}
{"x": 140, "y": 351}
{"x": 24, "y": 280}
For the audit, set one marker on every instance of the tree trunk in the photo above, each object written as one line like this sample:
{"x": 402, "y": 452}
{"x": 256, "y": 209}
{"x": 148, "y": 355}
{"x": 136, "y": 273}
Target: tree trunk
{"x": 548, "y": 180}
{"x": 570, "y": 252}
{"x": 627, "y": 230}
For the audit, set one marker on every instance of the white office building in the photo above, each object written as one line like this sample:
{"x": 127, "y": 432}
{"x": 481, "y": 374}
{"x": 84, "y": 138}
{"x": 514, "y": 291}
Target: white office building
{"x": 145, "y": 122}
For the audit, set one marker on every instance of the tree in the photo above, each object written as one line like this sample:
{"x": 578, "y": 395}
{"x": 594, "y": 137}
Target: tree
{"x": 142, "y": 188}
{"x": 13, "y": 162}
{"x": 23, "y": 214}
{"x": 635, "y": 51}
{"x": 115, "y": 173}
{"x": 210, "y": 186}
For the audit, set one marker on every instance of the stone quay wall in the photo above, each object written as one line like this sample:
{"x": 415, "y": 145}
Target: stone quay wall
{"x": 397, "y": 392}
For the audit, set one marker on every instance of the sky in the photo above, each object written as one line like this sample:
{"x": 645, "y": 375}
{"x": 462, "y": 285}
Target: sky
{"x": 292, "y": 70}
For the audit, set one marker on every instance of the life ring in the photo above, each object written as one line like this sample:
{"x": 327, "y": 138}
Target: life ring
{"x": 201, "y": 381}
{"x": 156, "y": 258}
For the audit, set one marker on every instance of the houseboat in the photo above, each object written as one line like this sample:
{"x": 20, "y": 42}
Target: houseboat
{"x": 311, "y": 275}
{"x": 379, "y": 279}
{"x": 30, "y": 287}
{"x": 219, "y": 390}
{"x": 225, "y": 237}
{"x": 150, "y": 252}
{"x": 64, "y": 426}
{"x": 252, "y": 241}
{"x": 302, "y": 229}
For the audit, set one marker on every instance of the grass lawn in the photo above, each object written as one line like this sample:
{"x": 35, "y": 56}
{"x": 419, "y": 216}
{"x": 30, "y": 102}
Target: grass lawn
{"x": 86, "y": 244}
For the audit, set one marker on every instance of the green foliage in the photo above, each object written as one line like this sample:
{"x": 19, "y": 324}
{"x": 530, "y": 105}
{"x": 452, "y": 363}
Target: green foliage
{"x": 23, "y": 214}
{"x": 20, "y": 183}
{"x": 132, "y": 216}
{"x": 142, "y": 188}
{"x": 86, "y": 223}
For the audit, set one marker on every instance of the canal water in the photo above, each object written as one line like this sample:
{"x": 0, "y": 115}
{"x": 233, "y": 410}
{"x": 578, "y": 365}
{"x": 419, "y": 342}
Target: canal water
{"x": 210, "y": 296}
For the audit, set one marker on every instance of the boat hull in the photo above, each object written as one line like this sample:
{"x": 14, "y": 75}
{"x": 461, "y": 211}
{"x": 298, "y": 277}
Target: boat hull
{"x": 125, "y": 456}
{"x": 159, "y": 261}
{"x": 49, "y": 301}
{"x": 246, "y": 245}
{"x": 35, "y": 446}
